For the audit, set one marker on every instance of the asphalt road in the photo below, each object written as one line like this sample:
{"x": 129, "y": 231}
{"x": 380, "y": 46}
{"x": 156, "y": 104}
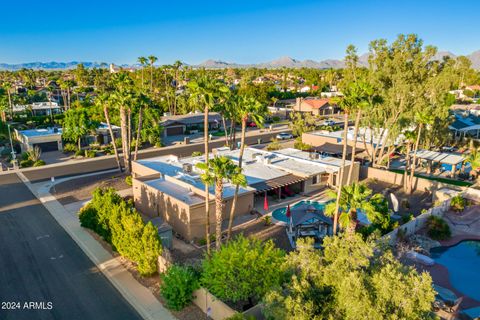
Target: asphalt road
{"x": 40, "y": 263}
{"x": 108, "y": 162}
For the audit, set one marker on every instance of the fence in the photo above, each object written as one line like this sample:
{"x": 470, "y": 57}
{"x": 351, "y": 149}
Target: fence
{"x": 417, "y": 223}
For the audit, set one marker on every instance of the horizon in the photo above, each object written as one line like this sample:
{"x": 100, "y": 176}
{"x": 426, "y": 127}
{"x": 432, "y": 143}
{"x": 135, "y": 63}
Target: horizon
{"x": 246, "y": 33}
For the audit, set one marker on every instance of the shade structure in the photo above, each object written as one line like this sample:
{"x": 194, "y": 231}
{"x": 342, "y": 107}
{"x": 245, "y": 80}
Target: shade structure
{"x": 276, "y": 183}
{"x": 288, "y": 213}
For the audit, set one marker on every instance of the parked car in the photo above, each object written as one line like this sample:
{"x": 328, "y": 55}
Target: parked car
{"x": 284, "y": 136}
{"x": 252, "y": 124}
{"x": 329, "y": 123}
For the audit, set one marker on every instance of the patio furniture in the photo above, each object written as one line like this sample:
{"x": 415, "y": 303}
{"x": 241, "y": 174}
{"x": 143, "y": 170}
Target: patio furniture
{"x": 445, "y": 298}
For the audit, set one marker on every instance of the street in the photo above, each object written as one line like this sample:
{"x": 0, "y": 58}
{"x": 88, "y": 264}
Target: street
{"x": 43, "y": 273}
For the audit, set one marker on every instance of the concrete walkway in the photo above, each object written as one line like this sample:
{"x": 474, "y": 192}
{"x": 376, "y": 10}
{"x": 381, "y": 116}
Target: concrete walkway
{"x": 136, "y": 294}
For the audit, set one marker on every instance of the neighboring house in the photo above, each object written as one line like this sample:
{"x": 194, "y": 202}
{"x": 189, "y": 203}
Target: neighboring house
{"x": 189, "y": 123}
{"x": 102, "y": 135}
{"x": 466, "y": 123}
{"x": 316, "y": 106}
{"x": 49, "y": 139}
{"x": 171, "y": 188}
{"x": 366, "y": 139}
{"x": 39, "y": 108}
{"x": 331, "y": 94}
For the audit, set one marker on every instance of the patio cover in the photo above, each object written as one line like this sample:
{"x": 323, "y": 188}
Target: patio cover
{"x": 474, "y": 127}
{"x": 300, "y": 215}
{"x": 334, "y": 148}
{"x": 276, "y": 183}
{"x": 442, "y": 157}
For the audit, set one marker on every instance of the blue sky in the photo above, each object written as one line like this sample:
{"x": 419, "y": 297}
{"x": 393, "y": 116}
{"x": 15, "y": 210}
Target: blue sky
{"x": 245, "y": 31}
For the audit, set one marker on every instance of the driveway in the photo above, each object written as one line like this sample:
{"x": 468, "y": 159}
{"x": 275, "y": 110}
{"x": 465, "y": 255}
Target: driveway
{"x": 43, "y": 267}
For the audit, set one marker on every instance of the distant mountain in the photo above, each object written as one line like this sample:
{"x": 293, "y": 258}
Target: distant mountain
{"x": 475, "y": 58}
{"x": 281, "y": 62}
{"x": 53, "y": 65}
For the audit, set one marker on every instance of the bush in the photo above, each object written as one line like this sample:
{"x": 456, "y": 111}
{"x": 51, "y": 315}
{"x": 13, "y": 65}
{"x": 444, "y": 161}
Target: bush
{"x": 177, "y": 287}
{"x": 196, "y": 154}
{"x": 458, "y": 203}
{"x": 274, "y": 145}
{"x": 128, "y": 180}
{"x": 69, "y": 147}
{"x": 79, "y": 153}
{"x": 301, "y": 146}
{"x": 118, "y": 223}
{"x": 26, "y": 163}
{"x": 39, "y": 163}
{"x": 437, "y": 228}
{"x": 90, "y": 153}
{"x": 243, "y": 269}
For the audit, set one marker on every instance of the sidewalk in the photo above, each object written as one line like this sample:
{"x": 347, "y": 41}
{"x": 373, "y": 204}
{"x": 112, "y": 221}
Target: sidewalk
{"x": 136, "y": 294}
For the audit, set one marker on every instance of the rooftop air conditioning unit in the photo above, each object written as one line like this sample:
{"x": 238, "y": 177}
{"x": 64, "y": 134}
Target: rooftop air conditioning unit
{"x": 173, "y": 158}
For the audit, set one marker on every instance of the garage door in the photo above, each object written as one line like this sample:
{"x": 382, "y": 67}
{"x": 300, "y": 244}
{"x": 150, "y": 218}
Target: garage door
{"x": 174, "y": 131}
{"x": 47, "y": 146}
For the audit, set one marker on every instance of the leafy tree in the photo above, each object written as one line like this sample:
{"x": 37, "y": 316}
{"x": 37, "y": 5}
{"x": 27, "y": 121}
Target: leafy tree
{"x": 177, "y": 287}
{"x": 301, "y": 123}
{"x": 77, "y": 124}
{"x": 243, "y": 269}
{"x": 349, "y": 279}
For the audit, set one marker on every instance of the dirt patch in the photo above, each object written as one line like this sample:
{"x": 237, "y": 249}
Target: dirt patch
{"x": 191, "y": 312}
{"x": 81, "y": 188}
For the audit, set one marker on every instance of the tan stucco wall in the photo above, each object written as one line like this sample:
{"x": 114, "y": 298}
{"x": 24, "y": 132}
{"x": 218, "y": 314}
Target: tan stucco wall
{"x": 316, "y": 141}
{"x": 139, "y": 170}
{"x": 188, "y": 221}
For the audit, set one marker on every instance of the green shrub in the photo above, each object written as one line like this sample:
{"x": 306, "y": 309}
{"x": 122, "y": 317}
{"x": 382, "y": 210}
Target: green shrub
{"x": 196, "y": 153}
{"x": 243, "y": 269}
{"x": 301, "y": 146}
{"x": 26, "y": 163}
{"x": 267, "y": 220}
{"x": 240, "y": 316}
{"x": 39, "y": 163}
{"x": 90, "y": 153}
{"x": 274, "y": 145}
{"x": 437, "y": 228}
{"x": 177, "y": 287}
{"x": 24, "y": 156}
{"x": 458, "y": 203}
{"x": 118, "y": 223}
{"x": 69, "y": 147}
{"x": 275, "y": 119}
{"x": 128, "y": 180}
{"x": 79, "y": 153}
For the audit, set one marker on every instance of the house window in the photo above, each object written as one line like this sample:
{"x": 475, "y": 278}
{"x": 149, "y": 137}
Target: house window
{"x": 314, "y": 179}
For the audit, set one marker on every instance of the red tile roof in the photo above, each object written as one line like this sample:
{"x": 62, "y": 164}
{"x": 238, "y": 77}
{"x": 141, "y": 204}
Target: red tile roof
{"x": 474, "y": 87}
{"x": 316, "y": 103}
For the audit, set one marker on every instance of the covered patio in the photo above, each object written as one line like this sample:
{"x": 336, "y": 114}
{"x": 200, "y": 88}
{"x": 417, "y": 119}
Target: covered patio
{"x": 448, "y": 162}
{"x": 277, "y": 188}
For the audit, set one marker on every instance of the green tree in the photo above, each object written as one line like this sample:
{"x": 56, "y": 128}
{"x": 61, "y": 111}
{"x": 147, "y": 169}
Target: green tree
{"x": 218, "y": 170}
{"x": 151, "y": 59}
{"x": 243, "y": 269}
{"x": 349, "y": 279}
{"x": 77, "y": 124}
{"x": 177, "y": 287}
{"x": 246, "y": 108}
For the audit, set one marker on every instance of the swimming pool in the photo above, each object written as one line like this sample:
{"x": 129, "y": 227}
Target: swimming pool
{"x": 280, "y": 213}
{"x": 462, "y": 261}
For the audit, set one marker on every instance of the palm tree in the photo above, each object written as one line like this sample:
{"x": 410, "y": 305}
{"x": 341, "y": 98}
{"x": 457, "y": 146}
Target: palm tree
{"x": 152, "y": 59}
{"x": 123, "y": 98}
{"x": 203, "y": 91}
{"x": 218, "y": 170}
{"x": 103, "y": 102}
{"x": 177, "y": 65}
{"x": 8, "y": 86}
{"x": 143, "y": 62}
{"x": 353, "y": 198}
{"x": 247, "y": 108}
{"x": 143, "y": 102}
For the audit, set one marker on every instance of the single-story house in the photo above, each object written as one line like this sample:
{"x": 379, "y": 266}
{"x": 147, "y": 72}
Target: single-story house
{"x": 49, "y": 139}
{"x": 102, "y": 135}
{"x": 170, "y": 187}
{"x": 39, "y": 108}
{"x": 189, "y": 123}
{"x": 316, "y": 106}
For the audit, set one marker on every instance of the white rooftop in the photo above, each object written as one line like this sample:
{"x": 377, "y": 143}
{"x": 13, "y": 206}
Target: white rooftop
{"x": 364, "y": 134}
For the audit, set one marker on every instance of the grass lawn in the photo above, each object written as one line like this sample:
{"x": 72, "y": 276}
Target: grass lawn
{"x": 218, "y": 133}
{"x": 442, "y": 180}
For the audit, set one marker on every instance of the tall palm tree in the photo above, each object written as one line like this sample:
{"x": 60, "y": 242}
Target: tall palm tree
{"x": 8, "y": 87}
{"x": 354, "y": 197}
{"x": 204, "y": 91}
{"x": 218, "y": 170}
{"x": 123, "y": 98}
{"x": 152, "y": 59}
{"x": 143, "y": 102}
{"x": 177, "y": 65}
{"x": 143, "y": 62}
{"x": 102, "y": 101}
{"x": 247, "y": 108}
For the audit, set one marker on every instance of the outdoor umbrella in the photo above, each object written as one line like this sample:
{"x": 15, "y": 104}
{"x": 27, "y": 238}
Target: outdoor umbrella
{"x": 289, "y": 216}
{"x": 265, "y": 203}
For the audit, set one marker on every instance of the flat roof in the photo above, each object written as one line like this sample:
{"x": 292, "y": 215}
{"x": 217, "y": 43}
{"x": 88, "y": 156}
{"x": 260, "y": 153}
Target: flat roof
{"x": 364, "y": 134}
{"x": 175, "y": 190}
{"x": 442, "y": 157}
{"x": 40, "y": 132}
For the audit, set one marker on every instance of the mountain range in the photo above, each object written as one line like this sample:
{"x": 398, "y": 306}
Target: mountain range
{"x": 219, "y": 64}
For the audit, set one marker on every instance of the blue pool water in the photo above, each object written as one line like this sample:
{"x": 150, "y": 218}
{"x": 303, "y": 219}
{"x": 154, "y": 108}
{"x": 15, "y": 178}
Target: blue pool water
{"x": 463, "y": 263}
{"x": 280, "y": 213}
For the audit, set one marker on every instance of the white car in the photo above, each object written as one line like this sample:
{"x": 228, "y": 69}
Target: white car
{"x": 284, "y": 136}
{"x": 329, "y": 123}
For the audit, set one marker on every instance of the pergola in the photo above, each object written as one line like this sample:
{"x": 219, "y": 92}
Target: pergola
{"x": 441, "y": 157}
